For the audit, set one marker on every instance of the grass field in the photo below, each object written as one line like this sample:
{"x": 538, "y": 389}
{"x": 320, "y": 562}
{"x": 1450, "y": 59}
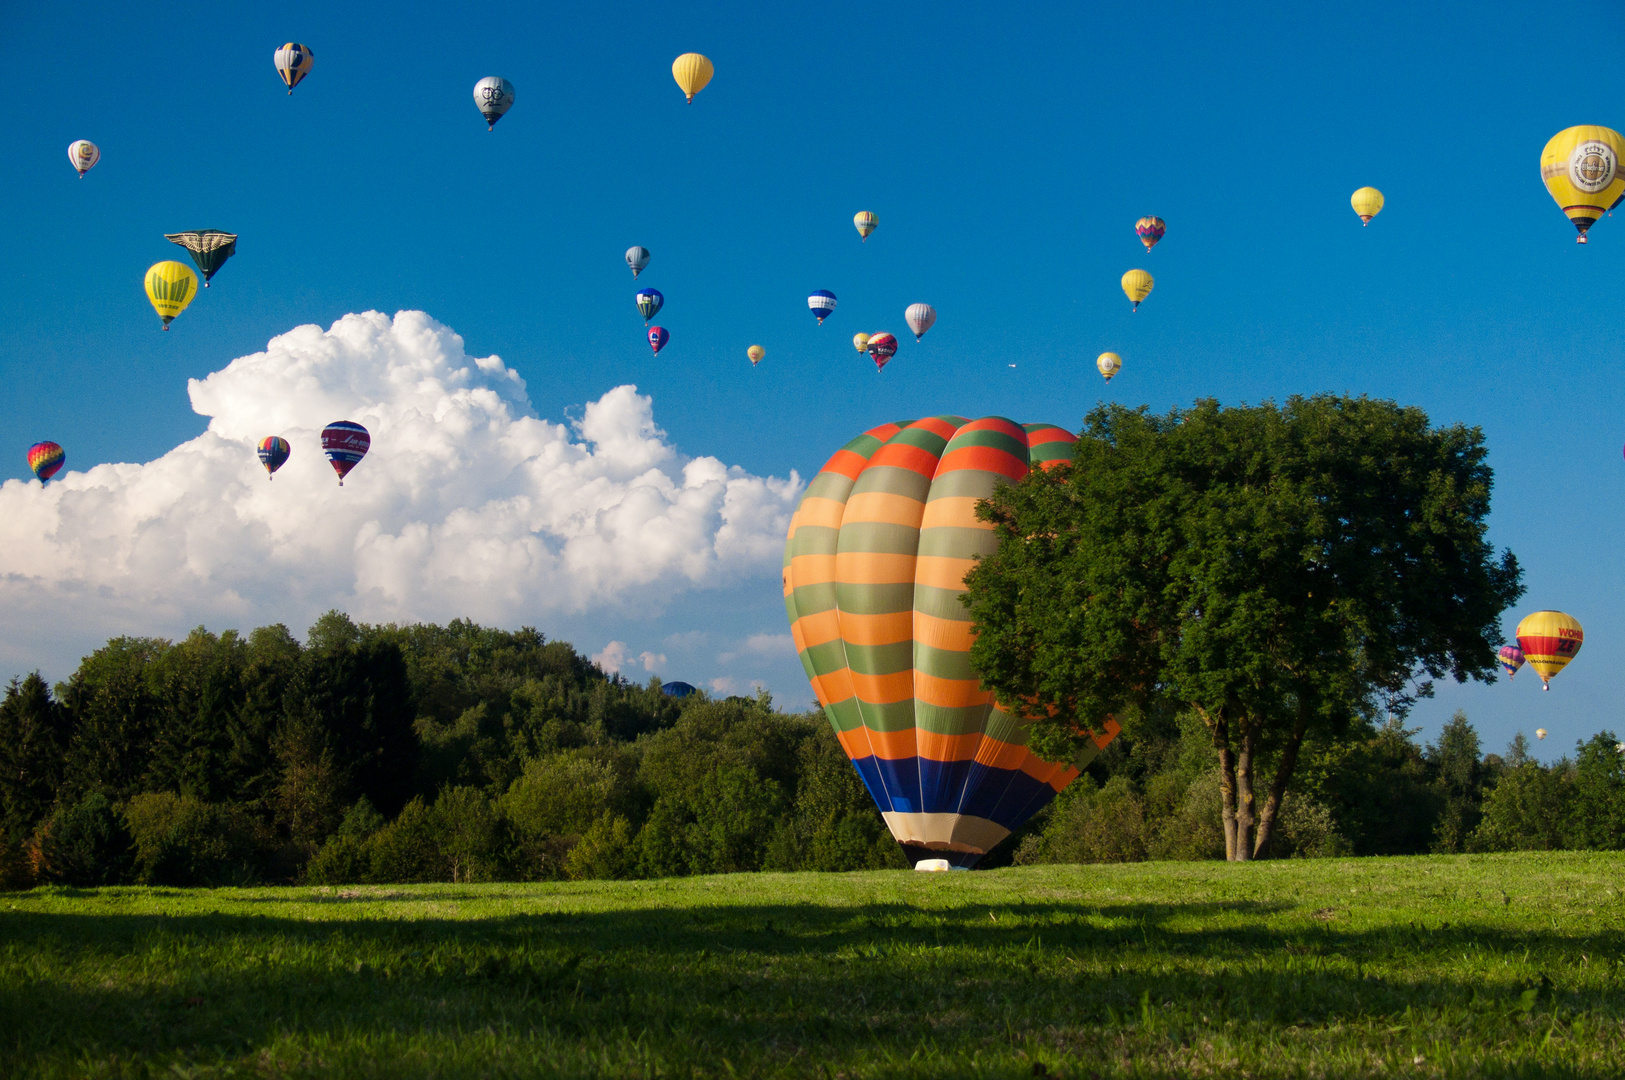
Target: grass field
{"x": 1457, "y": 966}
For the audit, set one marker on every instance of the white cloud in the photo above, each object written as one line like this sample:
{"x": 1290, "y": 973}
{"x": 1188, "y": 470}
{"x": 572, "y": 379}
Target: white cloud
{"x": 652, "y": 661}
{"x": 467, "y": 505}
{"x": 614, "y": 656}
{"x": 775, "y": 646}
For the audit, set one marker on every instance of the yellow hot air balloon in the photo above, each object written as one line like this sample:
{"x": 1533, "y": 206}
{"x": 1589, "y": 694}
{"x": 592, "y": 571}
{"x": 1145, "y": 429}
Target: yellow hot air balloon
{"x": 860, "y": 342}
{"x": 1540, "y": 733}
{"x": 1109, "y": 364}
{"x": 170, "y": 287}
{"x": 755, "y": 352}
{"x": 1137, "y": 284}
{"x": 1581, "y": 168}
{"x": 692, "y": 71}
{"x": 1549, "y": 640}
{"x": 865, "y": 220}
{"x": 1367, "y": 202}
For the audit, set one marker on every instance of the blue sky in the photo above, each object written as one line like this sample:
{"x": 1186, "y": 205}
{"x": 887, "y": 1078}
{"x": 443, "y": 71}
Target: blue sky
{"x": 1007, "y": 153}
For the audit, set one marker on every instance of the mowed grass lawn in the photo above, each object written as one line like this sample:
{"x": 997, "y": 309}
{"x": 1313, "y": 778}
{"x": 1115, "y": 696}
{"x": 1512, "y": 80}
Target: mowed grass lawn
{"x": 1485, "y": 966}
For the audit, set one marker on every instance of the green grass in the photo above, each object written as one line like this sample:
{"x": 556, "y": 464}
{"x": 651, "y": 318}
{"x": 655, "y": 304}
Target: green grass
{"x": 1487, "y": 966}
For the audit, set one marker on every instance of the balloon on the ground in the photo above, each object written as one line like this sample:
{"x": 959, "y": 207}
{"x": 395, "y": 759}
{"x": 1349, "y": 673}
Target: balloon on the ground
{"x": 493, "y": 95}
{"x": 345, "y": 443}
{"x": 273, "y": 451}
{"x": 873, "y": 571}
{"x": 658, "y": 338}
{"x": 821, "y": 302}
{"x": 84, "y": 154}
{"x": 209, "y": 248}
{"x": 860, "y": 342}
{"x": 755, "y": 352}
{"x": 649, "y": 303}
{"x": 1549, "y": 640}
{"x": 677, "y": 689}
{"x": 1150, "y": 230}
{"x": 46, "y": 460}
{"x": 1580, "y": 167}
{"x": 865, "y": 220}
{"x": 293, "y": 63}
{"x": 1511, "y": 658}
{"x": 637, "y": 258}
{"x": 692, "y": 72}
{"x": 1137, "y": 285}
{"x": 882, "y": 347}
{"x": 1367, "y": 202}
{"x": 1109, "y": 364}
{"x": 170, "y": 287}
{"x": 920, "y": 318}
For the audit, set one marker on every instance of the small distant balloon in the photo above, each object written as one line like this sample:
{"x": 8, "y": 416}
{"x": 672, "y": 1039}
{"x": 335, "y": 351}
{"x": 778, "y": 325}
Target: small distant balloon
{"x": 1511, "y": 658}
{"x": 755, "y": 352}
{"x": 821, "y": 302}
{"x": 209, "y": 248}
{"x": 1367, "y": 202}
{"x": 345, "y": 443}
{"x": 46, "y": 459}
{"x": 658, "y": 338}
{"x": 865, "y": 220}
{"x": 1150, "y": 230}
{"x": 692, "y": 72}
{"x": 649, "y": 303}
{"x": 1549, "y": 640}
{"x": 1109, "y": 364}
{"x": 293, "y": 63}
{"x": 637, "y": 258}
{"x": 1137, "y": 285}
{"x": 493, "y": 95}
{"x": 273, "y": 451}
{"x": 920, "y": 318}
{"x": 84, "y": 154}
{"x": 677, "y": 689}
{"x": 1540, "y": 733}
{"x": 882, "y": 347}
{"x": 170, "y": 287}
{"x": 860, "y": 342}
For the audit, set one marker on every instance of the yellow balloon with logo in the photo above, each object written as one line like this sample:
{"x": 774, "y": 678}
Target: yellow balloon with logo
{"x": 1137, "y": 285}
{"x": 170, "y": 287}
{"x": 692, "y": 72}
{"x": 1549, "y": 640}
{"x": 860, "y": 342}
{"x": 1581, "y": 168}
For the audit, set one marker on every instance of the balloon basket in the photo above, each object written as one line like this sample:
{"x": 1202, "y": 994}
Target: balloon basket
{"x": 931, "y": 860}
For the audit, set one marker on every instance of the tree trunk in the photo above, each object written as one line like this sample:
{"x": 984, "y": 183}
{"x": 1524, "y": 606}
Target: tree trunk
{"x": 1219, "y": 728}
{"x": 1244, "y": 793}
{"x": 1283, "y": 776}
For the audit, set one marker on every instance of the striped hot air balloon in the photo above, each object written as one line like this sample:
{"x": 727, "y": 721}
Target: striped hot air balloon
{"x": 873, "y": 569}
{"x": 1549, "y": 640}
{"x": 821, "y": 302}
{"x": 293, "y": 63}
{"x": 273, "y": 451}
{"x": 1150, "y": 230}
{"x": 46, "y": 460}
{"x": 1511, "y": 658}
{"x": 345, "y": 443}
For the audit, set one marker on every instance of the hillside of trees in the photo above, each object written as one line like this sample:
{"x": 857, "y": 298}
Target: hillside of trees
{"x": 463, "y": 753}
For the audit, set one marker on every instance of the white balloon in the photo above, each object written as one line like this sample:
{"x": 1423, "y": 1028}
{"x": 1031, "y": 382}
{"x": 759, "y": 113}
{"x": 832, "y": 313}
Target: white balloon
{"x": 637, "y": 258}
{"x": 920, "y": 318}
{"x": 84, "y": 154}
{"x": 493, "y": 96}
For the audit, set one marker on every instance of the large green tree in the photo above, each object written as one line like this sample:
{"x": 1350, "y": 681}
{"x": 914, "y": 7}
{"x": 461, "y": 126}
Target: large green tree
{"x": 1276, "y": 570}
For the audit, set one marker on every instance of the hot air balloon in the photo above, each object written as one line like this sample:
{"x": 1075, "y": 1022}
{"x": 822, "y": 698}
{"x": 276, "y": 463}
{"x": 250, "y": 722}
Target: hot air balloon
{"x": 273, "y": 451}
{"x": 677, "y": 689}
{"x": 658, "y": 338}
{"x": 860, "y": 342}
{"x": 1109, "y": 364}
{"x": 345, "y": 443}
{"x": 1511, "y": 658}
{"x": 821, "y": 302}
{"x": 755, "y": 352}
{"x": 873, "y": 571}
{"x": 293, "y": 63}
{"x": 493, "y": 96}
{"x": 865, "y": 220}
{"x": 882, "y": 347}
{"x": 1137, "y": 284}
{"x": 1549, "y": 640}
{"x": 920, "y": 318}
{"x": 209, "y": 248}
{"x": 1150, "y": 230}
{"x": 1367, "y": 202}
{"x": 1540, "y": 733}
{"x": 1580, "y": 167}
{"x": 84, "y": 154}
{"x": 637, "y": 258}
{"x": 649, "y": 303}
{"x": 46, "y": 459}
{"x": 170, "y": 287}
{"x": 692, "y": 72}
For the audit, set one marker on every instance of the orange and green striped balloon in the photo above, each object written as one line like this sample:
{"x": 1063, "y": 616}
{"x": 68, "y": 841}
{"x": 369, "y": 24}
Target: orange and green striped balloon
{"x": 873, "y": 570}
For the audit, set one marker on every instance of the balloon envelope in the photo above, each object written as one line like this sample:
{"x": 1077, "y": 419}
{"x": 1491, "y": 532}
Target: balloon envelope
{"x": 1367, "y": 202}
{"x": 755, "y": 352}
{"x": 1108, "y": 364}
{"x": 1540, "y": 733}
{"x": 1549, "y": 640}
{"x": 821, "y": 302}
{"x": 677, "y": 689}
{"x": 1581, "y": 169}
{"x": 345, "y": 443}
{"x": 84, "y": 154}
{"x": 692, "y": 72}
{"x": 882, "y": 347}
{"x": 860, "y": 342}
{"x": 873, "y": 571}
{"x": 493, "y": 96}
{"x": 293, "y": 63}
{"x": 273, "y": 451}
{"x": 1137, "y": 285}
{"x": 658, "y": 338}
{"x": 920, "y": 318}
{"x": 865, "y": 220}
{"x": 1511, "y": 658}
{"x": 170, "y": 287}
{"x": 209, "y": 248}
{"x": 1150, "y": 230}
{"x": 637, "y": 258}
{"x": 649, "y": 303}
{"x": 46, "y": 460}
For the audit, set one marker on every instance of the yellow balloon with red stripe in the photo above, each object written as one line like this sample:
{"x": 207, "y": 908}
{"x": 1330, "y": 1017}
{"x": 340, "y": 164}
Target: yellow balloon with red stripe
{"x": 1549, "y": 640}
{"x": 1581, "y": 167}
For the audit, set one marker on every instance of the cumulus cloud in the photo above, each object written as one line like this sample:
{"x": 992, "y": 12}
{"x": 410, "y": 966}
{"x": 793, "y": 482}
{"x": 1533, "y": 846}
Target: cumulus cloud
{"x": 467, "y": 505}
{"x": 773, "y": 646}
{"x": 617, "y": 655}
